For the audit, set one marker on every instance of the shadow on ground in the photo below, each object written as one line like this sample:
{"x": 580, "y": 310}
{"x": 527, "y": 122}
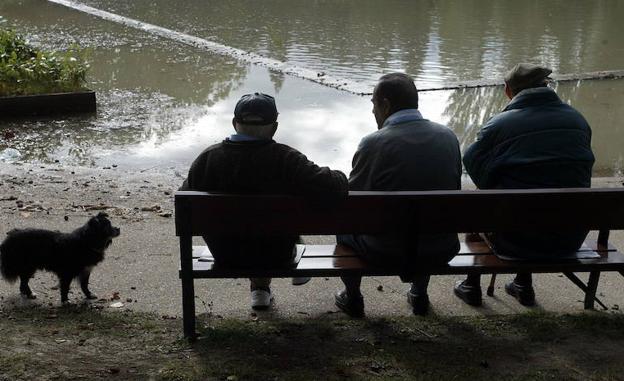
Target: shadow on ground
{"x": 81, "y": 342}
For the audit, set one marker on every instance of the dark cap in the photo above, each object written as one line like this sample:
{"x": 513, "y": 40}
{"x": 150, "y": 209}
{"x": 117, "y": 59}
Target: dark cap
{"x": 524, "y": 76}
{"x": 256, "y": 108}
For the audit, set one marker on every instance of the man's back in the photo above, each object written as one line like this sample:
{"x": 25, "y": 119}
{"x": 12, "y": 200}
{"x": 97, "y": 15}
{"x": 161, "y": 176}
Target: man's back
{"x": 259, "y": 167}
{"x": 415, "y": 155}
{"x": 536, "y": 142}
{"x": 262, "y": 167}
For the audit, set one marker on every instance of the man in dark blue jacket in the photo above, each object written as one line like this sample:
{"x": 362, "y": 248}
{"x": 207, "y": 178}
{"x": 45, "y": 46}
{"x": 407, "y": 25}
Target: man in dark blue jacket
{"x": 538, "y": 141}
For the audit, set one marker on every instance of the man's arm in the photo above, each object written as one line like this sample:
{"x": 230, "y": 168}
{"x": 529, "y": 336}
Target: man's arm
{"x": 191, "y": 183}
{"x": 479, "y": 156}
{"x": 311, "y": 180}
{"x": 362, "y": 167}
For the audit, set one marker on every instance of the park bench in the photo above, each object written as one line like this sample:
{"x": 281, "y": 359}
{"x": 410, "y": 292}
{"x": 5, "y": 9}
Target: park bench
{"x": 198, "y": 213}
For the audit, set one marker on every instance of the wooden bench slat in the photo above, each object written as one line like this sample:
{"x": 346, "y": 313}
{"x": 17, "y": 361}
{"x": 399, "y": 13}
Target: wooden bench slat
{"x": 380, "y": 212}
{"x": 611, "y": 261}
{"x": 319, "y": 260}
{"x": 466, "y": 248}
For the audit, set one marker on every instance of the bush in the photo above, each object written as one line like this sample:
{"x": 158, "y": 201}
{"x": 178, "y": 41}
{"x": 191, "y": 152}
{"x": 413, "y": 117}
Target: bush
{"x": 27, "y": 70}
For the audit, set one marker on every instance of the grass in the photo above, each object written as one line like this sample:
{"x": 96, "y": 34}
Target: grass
{"x": 83, "y": 343}
{"x": 26, "y": 70}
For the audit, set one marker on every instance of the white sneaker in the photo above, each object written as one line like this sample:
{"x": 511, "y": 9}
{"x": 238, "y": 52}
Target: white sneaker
{"x": 300, "y": 280}
{"x": 261, "y": 299}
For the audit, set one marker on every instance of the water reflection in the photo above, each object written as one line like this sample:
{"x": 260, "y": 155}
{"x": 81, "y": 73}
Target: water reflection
{"x": 160, "y": 103}
{"x": 436, "y": 42}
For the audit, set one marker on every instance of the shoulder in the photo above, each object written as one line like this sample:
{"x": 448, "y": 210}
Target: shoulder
{"x": 373, "y": 139}
{"x": 206, "y": 153}
{"x": 441, "y": 130}
{"x": 285, "y": 149}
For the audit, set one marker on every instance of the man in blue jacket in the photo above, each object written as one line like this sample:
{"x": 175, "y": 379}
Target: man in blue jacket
{"x": 538, "y": 141}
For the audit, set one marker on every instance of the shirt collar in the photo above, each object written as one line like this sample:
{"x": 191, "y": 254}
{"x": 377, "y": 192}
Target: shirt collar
{"x": 535, "y": 90}
{"x": 243, "y": 138}
{"x": 407, "y": 115}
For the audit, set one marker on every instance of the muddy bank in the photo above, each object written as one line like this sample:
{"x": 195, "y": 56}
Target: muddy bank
{"x": 27, "y": 190}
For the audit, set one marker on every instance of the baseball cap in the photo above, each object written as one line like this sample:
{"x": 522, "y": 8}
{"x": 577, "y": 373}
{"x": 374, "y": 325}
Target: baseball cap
{"x": 256, "y": 108}
{"x": 525, "y": 75}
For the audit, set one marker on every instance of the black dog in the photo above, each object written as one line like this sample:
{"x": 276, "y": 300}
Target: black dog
{"x": 68, "y": 255}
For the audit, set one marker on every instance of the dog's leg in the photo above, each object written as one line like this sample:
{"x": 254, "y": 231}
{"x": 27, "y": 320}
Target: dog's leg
{"x": 65, "y": 282}
{"x": 84, "y": 283}
{"x": 24, "y": 288}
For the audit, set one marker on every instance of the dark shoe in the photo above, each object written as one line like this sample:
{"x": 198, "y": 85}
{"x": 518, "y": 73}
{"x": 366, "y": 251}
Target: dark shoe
{"x": 353, "y": 307}
{"x": 469, "y": 293}
{"x": 524, "y": 293}
{"x": 419, "y": 303}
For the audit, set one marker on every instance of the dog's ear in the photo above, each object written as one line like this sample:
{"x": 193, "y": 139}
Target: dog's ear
{"x": 102, "y": 215}
{"x": 94, "y": 222}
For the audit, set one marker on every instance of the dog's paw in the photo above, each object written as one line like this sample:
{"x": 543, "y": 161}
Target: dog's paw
{"x": 29, "y": 296}
{"x": 66, "y": 303}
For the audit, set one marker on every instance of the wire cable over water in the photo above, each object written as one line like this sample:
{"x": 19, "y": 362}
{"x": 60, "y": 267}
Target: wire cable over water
{"x": 215, "y": 47}
{"x": 293, "y": 70}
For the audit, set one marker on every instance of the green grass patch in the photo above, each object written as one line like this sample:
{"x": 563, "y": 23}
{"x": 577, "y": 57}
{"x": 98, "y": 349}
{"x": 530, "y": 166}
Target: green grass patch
{"x": 26, "y": 70}
{"x": 87, "y": 343}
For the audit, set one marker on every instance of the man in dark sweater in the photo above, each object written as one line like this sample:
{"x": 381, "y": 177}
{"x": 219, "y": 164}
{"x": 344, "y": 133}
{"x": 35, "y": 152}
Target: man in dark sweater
{"x": 538, "y": 141}
{"x": 251, "y": 162}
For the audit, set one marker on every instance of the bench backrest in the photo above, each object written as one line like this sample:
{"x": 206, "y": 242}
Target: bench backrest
{"x": 199, "y": 213}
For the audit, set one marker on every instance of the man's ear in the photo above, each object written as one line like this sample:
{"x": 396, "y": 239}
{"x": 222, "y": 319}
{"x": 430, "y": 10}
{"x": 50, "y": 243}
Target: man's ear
{"x": 234, "y": 124}
{"x": 385, "y": 107}
{"x": 508, "y": 91}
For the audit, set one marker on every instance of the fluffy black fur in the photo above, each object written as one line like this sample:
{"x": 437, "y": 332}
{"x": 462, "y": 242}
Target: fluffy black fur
{"x": 68, "y": 255}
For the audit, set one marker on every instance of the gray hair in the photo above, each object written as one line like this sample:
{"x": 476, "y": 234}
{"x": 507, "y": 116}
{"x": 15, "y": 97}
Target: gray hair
{"x": 262, "y": 131}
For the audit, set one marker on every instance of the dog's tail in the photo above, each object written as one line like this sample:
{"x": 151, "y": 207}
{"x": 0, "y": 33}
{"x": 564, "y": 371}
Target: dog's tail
{"x": 8, "y": 267}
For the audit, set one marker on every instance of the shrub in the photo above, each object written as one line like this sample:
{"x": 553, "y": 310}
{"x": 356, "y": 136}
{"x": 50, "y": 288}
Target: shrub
{"x": 25, "y": 69}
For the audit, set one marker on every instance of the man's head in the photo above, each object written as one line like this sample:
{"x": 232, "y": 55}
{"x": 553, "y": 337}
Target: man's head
{"x": 256, "y": 115}
{"x": 394, "y": 92}
{"x": 525, "y": 76}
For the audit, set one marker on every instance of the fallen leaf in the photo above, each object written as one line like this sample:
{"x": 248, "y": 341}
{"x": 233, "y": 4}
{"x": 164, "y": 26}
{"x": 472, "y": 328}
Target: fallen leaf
{"x": 117, "y": 305}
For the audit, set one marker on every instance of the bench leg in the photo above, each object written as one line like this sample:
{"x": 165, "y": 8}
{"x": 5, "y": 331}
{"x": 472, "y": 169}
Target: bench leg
{"x": 188, "y": 286}
{"x": 586, "y": 289}
{"x": 490, "y": 289}
{"x": 592, "y": 286}
{"x": 188, "y": 308}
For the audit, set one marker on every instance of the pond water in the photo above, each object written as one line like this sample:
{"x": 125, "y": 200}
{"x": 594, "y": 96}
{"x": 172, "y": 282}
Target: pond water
{"x": 161, "y": 101}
